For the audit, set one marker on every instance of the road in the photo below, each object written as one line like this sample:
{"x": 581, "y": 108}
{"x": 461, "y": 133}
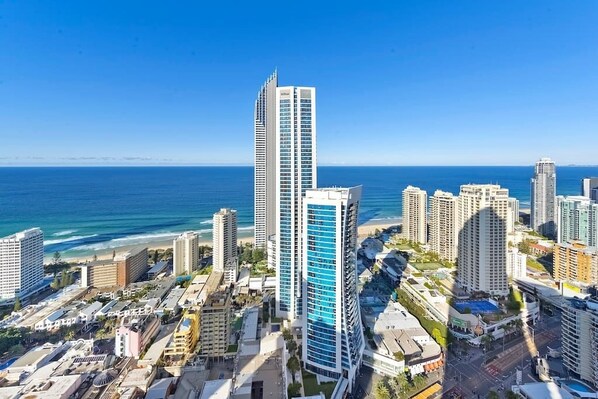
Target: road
{"x": 478, "y": 372}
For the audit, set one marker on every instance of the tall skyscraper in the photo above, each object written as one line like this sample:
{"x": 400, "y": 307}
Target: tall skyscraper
{"x": 225, "y": 256}
{"x": 265, "y": 161}
{"x": 577, "y": 219}
{"x": 589, "y": 188}
{"x": 543, "y": 195}
{"x": 444, "y": 227}
{"x": 295, "y": 174}
{"x": 415, "y": 203}
{"x": 21, "y": 263}
{"x": 482, "y": 246}
{"x": 185, "y": 253}
{"x": 333, "y": 337}
{"x": 580, "y": 338}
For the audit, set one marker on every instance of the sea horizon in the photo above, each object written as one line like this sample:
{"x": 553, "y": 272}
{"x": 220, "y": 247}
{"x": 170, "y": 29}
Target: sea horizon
{"x": 85, "y": 210}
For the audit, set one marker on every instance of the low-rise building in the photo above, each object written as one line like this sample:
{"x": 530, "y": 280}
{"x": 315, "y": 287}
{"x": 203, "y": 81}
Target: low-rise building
{"x": 575, "y": 261}
{"x": 134, "y": 334}
{"x": 516, "y": 264}
{"x": 124, "y": 269}
{"x": 185, "y": 336}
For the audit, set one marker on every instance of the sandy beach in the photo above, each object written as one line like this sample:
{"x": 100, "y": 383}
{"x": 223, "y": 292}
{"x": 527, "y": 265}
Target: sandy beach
{"x": 363, "y": 231}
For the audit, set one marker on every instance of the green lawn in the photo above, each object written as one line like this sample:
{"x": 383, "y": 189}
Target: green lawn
{"x": 311, "y": 387}
{"x": 535, "y": 265}
{"x": 232, "y": 348}
{"x": 427, "y": 266}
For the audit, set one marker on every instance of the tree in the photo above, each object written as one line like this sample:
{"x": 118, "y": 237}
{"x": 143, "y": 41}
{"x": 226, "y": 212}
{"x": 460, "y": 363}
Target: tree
{"x": 293, "y": 365}
{"x": 381, "y": 391}
{"x": 511, "y": 395}
{"x": 492, "y": 395}
{"x": 401, "y": 382}
{"x": 17, "y": 306}
{"x": 286, "y": 334}
{"x": 294, "y": 389}
{"x": 57, "y": 259}
{"x": 400, "y": 356}
{"x": 419, "y": 381}
{"x": 291, "y": 346}
{"x": 486, "y": 340}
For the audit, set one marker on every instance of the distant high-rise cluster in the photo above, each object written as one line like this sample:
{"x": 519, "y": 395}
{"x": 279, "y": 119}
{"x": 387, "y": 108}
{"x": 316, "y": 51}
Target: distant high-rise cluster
{"x": 543, "y": 197}
{"x": 577, "y": 220}
{"x": 21, "y": 263}
{"x": 314, "y": 257}
{"x": 225, "y": 255}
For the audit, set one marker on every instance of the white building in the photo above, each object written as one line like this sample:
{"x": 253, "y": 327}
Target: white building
{"x": 516, "y": 264}
{"x": 185, "y": 253}
{"x": 225, "y": 254}
{"x": 271, "y": 252}
{"x": 265, "y": 161}
{"x": 295, "y": 174}
{"x": 21, "y": 263}
{"x": 333, "y": 344}
{"x": 444, "y": 226}
{"x": 543, "y": 194}
{"x": 589, "y": 188}
{"x": 580, "y": 338}
{"x": 577, "y": 220}
{"x": 513, "y": 215}
{"x": 415, "y": 208}
{"x": 482, "y": 252}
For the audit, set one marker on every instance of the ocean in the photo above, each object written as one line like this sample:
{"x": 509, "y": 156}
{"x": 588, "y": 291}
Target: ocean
{"x": 83, "y": 210}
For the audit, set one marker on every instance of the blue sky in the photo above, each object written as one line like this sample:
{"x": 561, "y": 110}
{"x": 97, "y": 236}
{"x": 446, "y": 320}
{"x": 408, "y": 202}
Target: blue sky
{"x": 399, "y": 83}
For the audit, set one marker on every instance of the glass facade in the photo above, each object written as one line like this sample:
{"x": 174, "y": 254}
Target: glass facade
{"x": 295, "y": 174}
{"x": 332, "y": 324}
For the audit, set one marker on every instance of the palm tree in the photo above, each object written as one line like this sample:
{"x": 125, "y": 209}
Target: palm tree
{"x": 486, "y": 340}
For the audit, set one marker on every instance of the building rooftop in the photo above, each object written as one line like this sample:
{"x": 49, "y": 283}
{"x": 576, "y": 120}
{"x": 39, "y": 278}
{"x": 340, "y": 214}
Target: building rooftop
{"x": 34, "y": 356}
{"x": 216, "y": 389}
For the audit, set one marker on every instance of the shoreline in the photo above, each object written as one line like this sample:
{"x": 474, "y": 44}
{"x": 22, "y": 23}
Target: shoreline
{"x": 363, "y": 231}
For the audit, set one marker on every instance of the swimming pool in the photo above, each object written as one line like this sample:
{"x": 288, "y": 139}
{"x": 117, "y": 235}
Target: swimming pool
{"x": 7, "y": 363}
{"x": 577, "y": 386}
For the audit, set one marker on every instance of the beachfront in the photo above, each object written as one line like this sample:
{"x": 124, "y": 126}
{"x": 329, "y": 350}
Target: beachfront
{"x": 364, "y": 230}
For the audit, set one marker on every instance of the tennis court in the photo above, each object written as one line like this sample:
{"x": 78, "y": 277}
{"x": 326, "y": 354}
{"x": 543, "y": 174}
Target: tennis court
{"x": 476, "y": 307}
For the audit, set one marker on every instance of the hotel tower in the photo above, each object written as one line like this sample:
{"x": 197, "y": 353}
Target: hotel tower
{"x": 333, "y": 340}
{"x": 295, "y": 174}
{"x": 482, "y": 246}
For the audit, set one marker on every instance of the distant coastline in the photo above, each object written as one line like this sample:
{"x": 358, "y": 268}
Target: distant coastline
{"x": 96, "y": 210}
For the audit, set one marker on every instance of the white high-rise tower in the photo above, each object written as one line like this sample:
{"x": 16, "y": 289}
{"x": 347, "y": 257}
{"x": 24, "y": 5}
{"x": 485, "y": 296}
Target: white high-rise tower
{"x": 444, "y": 229}
{"x": 185, "y": 256}
{"x": 415, "y": 203}
{"x": 482, "y": 249}
{"x": 333, "y": 344}
{"x": 543, "y": 197}
{"x": 265, "y": 162}
{"x": 21, "y": 263}
{"x": 295, "y": 174}
{"x": 225, "y": 256}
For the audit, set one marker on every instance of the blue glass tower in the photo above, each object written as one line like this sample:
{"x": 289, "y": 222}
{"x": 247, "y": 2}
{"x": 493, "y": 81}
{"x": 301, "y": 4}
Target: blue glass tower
{"x": 333, "y": 337}
{"x": 295, "y": 174}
